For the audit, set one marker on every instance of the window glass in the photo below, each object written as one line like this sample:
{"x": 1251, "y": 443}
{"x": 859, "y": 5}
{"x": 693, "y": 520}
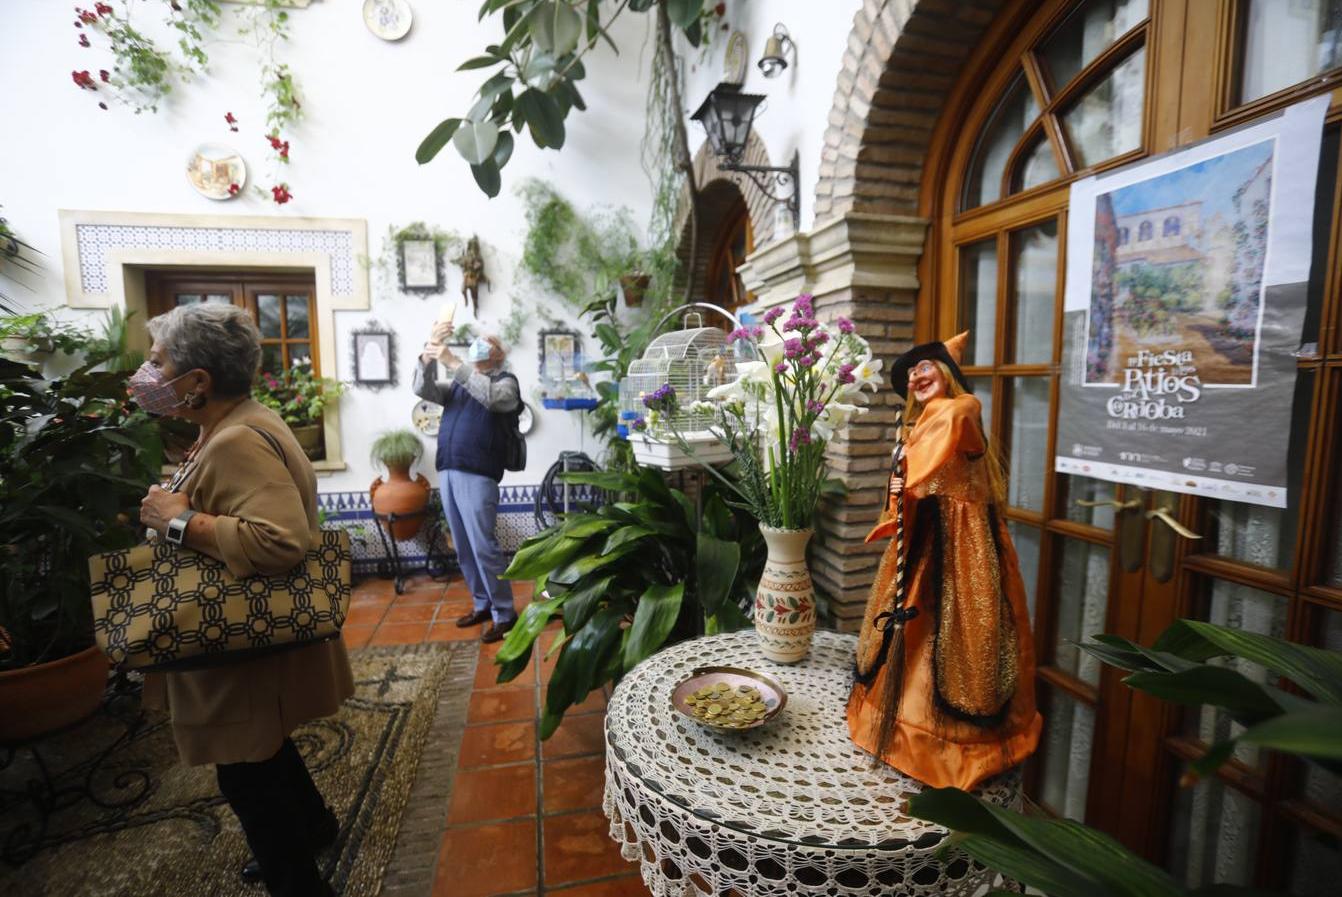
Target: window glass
{"x": 1034, "y": 271}
{"x": 1029, "y": 442}
{"x": 1000, "y": 136}
{"x": 978, "y": 300}
{"x": 1086, "y": 34}
{"x": 1069, "y": 738}
{"x": 1288, "y": 42}
{"x": 1107, "y": 120}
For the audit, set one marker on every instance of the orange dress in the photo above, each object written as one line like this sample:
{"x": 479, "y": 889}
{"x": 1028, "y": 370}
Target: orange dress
{"x": 966, "y": 706}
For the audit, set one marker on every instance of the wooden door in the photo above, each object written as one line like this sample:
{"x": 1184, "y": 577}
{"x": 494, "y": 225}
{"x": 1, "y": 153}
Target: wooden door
{"x": 1062, "y": 89}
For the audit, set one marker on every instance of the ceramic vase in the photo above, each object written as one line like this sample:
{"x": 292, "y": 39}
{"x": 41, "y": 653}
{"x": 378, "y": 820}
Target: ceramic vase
{"x": 785, "y": 600}
{"x": 399, "y": 494}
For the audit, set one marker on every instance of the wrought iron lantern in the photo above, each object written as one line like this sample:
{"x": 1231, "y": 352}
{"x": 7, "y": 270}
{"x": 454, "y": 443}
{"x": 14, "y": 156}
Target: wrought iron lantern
{"x": 727, "y": 115}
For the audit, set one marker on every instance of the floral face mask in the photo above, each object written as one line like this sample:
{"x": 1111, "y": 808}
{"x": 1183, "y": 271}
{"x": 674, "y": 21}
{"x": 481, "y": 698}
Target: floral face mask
{"x": 152, "y": 393}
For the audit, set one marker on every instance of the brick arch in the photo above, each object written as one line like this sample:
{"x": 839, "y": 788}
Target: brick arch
{"x": 716, "y": 188}
{"x": 902, "y": 59}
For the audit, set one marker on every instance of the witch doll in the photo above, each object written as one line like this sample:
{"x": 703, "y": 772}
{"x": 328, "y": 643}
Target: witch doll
{"x": 944, "y": 688}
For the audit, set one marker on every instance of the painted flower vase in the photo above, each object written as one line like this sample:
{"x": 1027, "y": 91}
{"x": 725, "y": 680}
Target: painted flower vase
{"x": 785, "y": 600}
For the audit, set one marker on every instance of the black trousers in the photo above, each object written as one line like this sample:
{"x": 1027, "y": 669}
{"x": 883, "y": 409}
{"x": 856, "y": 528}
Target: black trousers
{"x": 284, "y": 818}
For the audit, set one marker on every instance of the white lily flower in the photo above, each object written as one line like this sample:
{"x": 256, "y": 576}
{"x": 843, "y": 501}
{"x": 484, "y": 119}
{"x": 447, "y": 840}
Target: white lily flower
{"x": 868, "y": 373}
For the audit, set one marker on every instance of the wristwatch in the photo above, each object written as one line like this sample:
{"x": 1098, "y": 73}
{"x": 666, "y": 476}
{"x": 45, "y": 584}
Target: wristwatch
{"x": 176, "y": 533}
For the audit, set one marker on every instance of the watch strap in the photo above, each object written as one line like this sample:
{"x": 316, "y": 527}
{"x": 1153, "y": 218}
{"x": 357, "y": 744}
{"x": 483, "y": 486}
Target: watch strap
{"x": 176, "y": 533}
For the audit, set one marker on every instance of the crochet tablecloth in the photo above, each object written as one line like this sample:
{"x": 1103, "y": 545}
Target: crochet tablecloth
{"x": 791, "y": 808}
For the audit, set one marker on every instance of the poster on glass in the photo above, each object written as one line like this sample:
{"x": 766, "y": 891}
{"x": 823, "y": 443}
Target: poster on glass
{"x": 1186, "y": 290}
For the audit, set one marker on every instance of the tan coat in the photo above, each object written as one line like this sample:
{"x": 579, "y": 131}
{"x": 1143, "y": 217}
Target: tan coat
{"x": 267, "y": 520}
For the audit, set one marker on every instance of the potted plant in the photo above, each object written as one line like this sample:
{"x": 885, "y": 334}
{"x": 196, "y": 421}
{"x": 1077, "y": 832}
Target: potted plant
{"x": 397, "y": 451}
{"x": 299, "y": 397}
{"x": 75, "y": 460}
{"x": 31, "y": 339}
{"x": 633, "y": 285}
{"x": 776, "y": 419}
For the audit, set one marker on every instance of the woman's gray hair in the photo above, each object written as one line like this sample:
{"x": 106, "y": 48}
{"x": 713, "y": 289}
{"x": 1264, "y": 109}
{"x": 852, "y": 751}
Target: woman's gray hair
{"x": 221, "y": 339}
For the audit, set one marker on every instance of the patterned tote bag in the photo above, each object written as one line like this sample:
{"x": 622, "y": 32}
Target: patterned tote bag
{"x": 160, "y": 607}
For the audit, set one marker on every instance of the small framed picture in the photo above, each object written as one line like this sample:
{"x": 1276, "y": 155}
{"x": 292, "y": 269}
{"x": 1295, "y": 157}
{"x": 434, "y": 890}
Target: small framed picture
{"x": 560, "y": 354}
{"x": 374, "y": 358}
{"x": 421, "y": 267}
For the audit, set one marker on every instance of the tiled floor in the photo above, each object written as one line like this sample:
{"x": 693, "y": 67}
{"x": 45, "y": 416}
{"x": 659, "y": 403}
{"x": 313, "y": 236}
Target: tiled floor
{"x": 526, "y": 815}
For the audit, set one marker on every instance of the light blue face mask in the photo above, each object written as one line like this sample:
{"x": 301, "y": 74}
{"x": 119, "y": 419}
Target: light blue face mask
{"x": 479, "y": 350}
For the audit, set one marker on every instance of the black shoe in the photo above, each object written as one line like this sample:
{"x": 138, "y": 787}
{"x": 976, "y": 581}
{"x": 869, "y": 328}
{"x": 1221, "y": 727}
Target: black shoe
{"x": 473, "y": 619}
{"x": 326, "y": 835}
{"x": 496, "y": 632}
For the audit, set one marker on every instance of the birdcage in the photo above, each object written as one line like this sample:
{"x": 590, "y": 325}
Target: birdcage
{"x": 693, "y": 361}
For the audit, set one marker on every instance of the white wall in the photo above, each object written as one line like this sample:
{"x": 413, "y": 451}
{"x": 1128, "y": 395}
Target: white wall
{"x": 796, "y": 113}
{"x": 367, "y": 105}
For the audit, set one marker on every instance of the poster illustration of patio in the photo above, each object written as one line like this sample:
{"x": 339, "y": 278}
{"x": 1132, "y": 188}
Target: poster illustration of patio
{"x": 1187, "y": 283}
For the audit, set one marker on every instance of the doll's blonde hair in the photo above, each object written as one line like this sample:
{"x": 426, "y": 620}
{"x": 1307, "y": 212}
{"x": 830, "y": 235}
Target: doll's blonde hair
{"x": 992, "y": 457}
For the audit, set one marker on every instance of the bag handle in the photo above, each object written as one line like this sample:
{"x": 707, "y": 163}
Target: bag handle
{"x": 274, "y": 443}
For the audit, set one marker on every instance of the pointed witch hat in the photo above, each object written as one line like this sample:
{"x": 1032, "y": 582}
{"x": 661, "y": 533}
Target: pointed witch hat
{"x": 948, "y": 353}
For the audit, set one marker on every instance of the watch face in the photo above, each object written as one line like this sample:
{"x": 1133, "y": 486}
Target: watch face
{"x": 525, "y": 420}
{"x": 425, "y": 416}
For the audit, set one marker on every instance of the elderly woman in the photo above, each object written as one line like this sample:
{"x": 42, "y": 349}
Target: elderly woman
{"x": 251, "y": 502}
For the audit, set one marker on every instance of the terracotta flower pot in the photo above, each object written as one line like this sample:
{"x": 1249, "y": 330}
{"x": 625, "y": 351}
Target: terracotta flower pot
{"x": 45, "y": 697}
{"x": 634, "y": 286}
{"x": 785, "y": 600}
{"x": 399, "y": 494}
{"x": 309, "y": 438}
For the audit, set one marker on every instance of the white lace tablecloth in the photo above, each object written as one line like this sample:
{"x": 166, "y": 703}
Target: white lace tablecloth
{"x": 791, "y": 808}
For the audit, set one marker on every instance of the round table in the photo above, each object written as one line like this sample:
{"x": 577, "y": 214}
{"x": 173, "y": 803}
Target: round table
{"x": 791, "y": 808}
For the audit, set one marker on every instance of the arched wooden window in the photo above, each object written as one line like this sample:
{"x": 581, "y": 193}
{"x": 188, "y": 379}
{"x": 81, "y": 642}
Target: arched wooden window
{"x": 1059, "y": 90}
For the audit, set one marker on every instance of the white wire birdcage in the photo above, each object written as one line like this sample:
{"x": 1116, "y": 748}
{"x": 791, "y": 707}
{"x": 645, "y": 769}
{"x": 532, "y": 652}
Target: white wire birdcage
{"x": 692, "y": 361}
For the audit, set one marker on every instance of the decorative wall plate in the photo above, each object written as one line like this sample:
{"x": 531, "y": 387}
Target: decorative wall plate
{"x": 526, "y": 420}
{"x": 388, "y": 19}
{"x": 216, "y": 171}
{"x": 425, "y": 416}
{"x": 736, "y": 59}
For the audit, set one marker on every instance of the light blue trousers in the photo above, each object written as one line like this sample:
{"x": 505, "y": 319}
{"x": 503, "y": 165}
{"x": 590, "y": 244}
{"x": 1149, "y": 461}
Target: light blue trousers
{"x": 471, "y": 505}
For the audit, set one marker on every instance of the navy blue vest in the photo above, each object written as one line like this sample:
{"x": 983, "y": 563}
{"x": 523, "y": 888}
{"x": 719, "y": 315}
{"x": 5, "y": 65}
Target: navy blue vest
{"x": 469, "y": 436}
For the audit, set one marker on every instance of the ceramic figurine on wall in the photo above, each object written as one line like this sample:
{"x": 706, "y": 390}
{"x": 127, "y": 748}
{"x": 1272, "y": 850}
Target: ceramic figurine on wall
{"x": 472, "y": 265}
{"x": 945, "y": 659}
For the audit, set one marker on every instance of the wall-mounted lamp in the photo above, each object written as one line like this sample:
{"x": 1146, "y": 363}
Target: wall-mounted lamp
{"x": 727, "y": 115}
{"x": 776, "y": 49}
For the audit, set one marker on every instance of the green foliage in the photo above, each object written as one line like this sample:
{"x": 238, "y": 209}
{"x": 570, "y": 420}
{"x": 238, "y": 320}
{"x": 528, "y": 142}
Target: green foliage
{"x": 75, "y": 460}
{"x": 45, "y": 334}
{"x": 396, "y": 448}
{"x": 627, "y": 579}
{"x": 537, "y": 68}
{"x": 297, "y": 395}
{"x": 1188, "y": 664}
{"x": 1156, "y": 297}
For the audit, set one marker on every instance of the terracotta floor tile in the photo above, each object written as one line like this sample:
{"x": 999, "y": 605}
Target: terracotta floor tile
{"x": 487, "y": 673}
{"x": 573, "y": 784}
{"x": 501, "y": 706}
{"x": 375, "y": 588}
{"x": 422, "y": 582}
{"x": 487, "y": 859}
{"x": 356, "y": 636}
{"x": 483, "y": 795}
{"x": 577, "y": 736}
{"x": 578, "y": 846}
{"x": 628, "y": 886}
{"x": 451, "y": 632}
{"x": 370, "y": 599}
{"x": 411, "y": 613}
{"x": 431, "y": 598}
{"x": 400, "y": 634}
{"x": 496, "y": 744}
{"x": 365, "y": 614}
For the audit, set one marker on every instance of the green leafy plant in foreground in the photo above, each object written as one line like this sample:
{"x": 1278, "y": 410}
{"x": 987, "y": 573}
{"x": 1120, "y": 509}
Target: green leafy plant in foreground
{"x": 627, "y": 579}
{"x": 1063, "y": 858}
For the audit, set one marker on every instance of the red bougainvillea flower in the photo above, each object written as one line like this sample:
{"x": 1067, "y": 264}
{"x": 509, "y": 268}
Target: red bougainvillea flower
{"x": 284, "y": 152}
{"x": 720, "y": 9}
{"x": 84, "y": 79}
{"x": 83, "y": 40}
{"x": 275, "y": 142}
{"x": 88, "y": 18}
{"x": 105, "y": 75}
{"x": 102, "y": 9}
{"x": 233, "y": 189}
{"x": 232, "y": 122}
{"x": 281, "y": 194}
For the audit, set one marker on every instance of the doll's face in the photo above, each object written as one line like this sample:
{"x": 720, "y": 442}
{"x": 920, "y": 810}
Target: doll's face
{"x": 926, "y": 382}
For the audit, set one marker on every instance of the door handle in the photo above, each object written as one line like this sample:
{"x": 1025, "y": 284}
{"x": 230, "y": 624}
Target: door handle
{"x": 1114, "y": 503}
{"x": 1164, "y": 516}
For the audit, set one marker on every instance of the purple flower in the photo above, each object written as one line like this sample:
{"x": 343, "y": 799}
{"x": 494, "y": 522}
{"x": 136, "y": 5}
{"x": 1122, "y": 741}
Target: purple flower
{"x": 773, "y": 314}
{"x": 819, "y": 338}
{"x": 739, "y": 333}
{"x": 804, "y": 306}
{"x": 800, "y": 436}
{"x": 781, "y": 367}
{"x": 640, "y": 424}
{"x": 806, "y": 361}
{"x": 846, "y": 373}
{"x": 815, "y": 406}
{"x": 845, "y": 325}
{"x": 663, "y": 397}
{"x": 757, "y": 331}
{"x": 792, "y": 347}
